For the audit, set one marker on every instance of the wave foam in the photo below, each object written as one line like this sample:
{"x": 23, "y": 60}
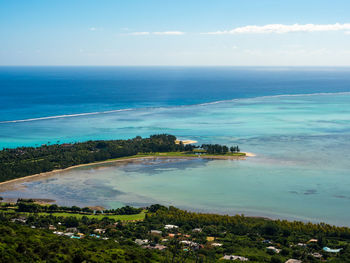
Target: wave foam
{"x": 169, "y": 107}
{"x": 65, "y": 116}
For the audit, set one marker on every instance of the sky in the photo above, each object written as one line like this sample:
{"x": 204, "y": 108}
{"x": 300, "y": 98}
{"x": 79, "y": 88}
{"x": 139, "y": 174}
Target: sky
{"x": 179, "y": 33}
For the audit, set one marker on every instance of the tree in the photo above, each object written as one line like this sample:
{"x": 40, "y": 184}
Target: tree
{"x": 53, "y": 208}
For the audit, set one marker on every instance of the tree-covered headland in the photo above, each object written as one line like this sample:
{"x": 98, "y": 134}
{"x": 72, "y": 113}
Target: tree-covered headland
{"x": 24, "y": 161}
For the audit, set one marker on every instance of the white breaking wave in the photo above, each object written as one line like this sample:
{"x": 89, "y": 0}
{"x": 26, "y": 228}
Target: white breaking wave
{"x": 65, "y": 116}
{"x": 275, "y": 96}
{"x": 169, "y": 107}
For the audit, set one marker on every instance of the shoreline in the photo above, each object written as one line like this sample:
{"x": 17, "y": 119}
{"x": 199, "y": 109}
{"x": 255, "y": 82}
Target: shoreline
{"x": 185, "y": 142}
{"x": 122, "y": 159}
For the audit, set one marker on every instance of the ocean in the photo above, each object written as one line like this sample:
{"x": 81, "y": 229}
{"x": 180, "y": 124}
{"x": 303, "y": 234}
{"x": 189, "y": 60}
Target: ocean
{"x": 296, "y": 121}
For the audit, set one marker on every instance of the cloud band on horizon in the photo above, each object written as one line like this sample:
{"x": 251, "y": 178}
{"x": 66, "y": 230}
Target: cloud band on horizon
{"x": 165, "y": 33}
{"x": 282, "y": 29}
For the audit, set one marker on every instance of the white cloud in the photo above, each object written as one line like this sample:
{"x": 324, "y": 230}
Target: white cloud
{"x": 168, "y": 33}
{"x": 347, "y": 32}
{"x": 282, "y": 29}
{"x": 92, "y": 28}
{"x": 171, "y": 33}
{"x": 139, "y": 33}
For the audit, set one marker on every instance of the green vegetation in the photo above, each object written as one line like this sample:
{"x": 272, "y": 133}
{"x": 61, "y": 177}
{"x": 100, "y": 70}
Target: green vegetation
{"x": 165, "y": 235}
{"x": 136, "y": 217}
{"x": 219, "y": 149}
{"x": 24, "y": 161}
{"x": 194, "y": 153}
{"x": 28, "y": 206}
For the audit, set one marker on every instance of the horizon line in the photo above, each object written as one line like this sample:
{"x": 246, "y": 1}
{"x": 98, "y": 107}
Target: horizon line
{"x": 289, "y": 66}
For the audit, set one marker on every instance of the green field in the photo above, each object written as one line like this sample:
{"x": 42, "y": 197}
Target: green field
{"x": 185, "y": 154}
{"x": 170, "y": 154}
{"x": 140, "y": 216}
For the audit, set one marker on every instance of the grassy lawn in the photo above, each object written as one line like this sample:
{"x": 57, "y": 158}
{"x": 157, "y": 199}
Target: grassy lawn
{"x": 139, "y": 216}
{"x": 180, "y": 154}
{"x": 184, "y": 154}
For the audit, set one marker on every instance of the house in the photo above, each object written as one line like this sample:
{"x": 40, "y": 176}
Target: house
{"x": 210, "y": 239}
{"x": 156, "y": 232}
{"x": 141, "y": 242}
{"x": 72, "y": 229}
{"x": 301, "y": 245}
{"x": 157, "y": 246}
{"x": 316, "y": 255}
{"x": 189, "y": 243}
{"x": 330, "y": 250}
{"x": 170, "y": 227}
{"x": 69, "y": 234}
{"x": 80, "y": 235}
{"x": 312, "y": 241}
{"x": 293, "y": 261}
{"x": 276, "y": 250}
{"x": 51, "y": 227}
{"x": 20, "y": 220}
{"x": 198, "y": 230}
{"x": 171, "y": 235}
{"x": 100, "y": 231}
{"x": 216, "y": 245}
{"x": 233, "y": 257}
{"x": 58, "y": 233}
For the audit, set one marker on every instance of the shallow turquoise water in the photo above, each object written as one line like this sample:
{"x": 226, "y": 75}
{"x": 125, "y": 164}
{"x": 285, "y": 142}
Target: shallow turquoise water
{"x": 301, "y": 170}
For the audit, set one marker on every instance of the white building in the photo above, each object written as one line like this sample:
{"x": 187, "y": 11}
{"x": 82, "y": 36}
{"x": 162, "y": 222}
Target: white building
{"x": 156, "y": 232}
{"x": 141, "y": 242}
{"x": 233, "y": 257}
{"x": 216, "y": 245}
{"x": 276, "y": 250}
{"x": 293, "y": 261}
{"x": 170, "y": 227}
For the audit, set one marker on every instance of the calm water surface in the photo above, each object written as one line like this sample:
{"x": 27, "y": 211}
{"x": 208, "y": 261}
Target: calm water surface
{"x": 301, "y": 170}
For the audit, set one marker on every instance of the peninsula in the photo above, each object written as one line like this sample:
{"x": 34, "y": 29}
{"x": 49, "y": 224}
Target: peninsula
{"x": 34, "y": 161}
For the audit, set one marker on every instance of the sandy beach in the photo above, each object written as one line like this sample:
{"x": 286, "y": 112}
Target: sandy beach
{"x": 35, "y": 176}
{"x": 185, "y": 141}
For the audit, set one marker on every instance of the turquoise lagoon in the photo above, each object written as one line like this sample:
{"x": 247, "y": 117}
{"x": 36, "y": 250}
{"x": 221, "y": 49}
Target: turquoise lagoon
{"x": 301, "y": 169}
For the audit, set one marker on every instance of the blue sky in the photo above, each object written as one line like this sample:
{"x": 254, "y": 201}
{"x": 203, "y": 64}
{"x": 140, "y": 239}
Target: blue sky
{"x": 134, "y": 32}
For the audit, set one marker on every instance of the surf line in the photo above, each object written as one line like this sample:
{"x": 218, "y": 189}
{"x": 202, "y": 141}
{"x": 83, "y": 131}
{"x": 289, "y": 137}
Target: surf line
{"x": 178, "y": 106}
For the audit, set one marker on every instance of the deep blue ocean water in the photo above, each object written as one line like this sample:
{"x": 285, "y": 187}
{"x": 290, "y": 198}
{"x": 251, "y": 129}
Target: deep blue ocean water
{"x": 296, "y": 121}
{"x": 33, "y": 92}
